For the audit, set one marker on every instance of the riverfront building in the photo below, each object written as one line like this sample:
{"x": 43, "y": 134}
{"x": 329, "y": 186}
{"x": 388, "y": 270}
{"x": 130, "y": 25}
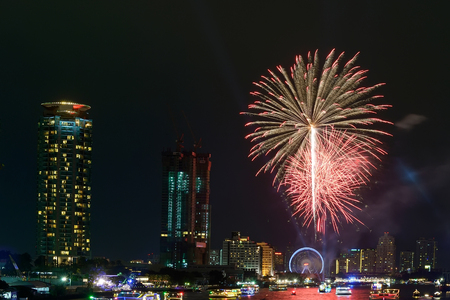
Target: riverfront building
{"x": 426, "y": 254}
{"x": 185, "y": 219}
{"x": 386, "y": 254}
{"x": 64, "y": 182}
{"x": 406, "y": 261}
{"x": 241, "y": 252}
{"x": 267, "y": 259}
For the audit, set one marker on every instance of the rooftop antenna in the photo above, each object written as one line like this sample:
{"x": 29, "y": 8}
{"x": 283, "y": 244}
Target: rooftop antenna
{"x": 197, "y": 145}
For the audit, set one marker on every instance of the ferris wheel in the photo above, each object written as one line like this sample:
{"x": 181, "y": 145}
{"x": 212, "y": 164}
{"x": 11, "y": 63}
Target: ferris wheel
{"x": 306, "y": 260}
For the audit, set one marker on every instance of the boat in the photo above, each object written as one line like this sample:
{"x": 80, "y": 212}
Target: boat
{"x": 343, "y": 291}
{"x": 173, "y": 296}
{"x": 375, "y": 294}
{"x": 425, "y": 296}
{"x": 136, "y": 295}
{"x": 437, "y": 295}
{"x": 416, "y": 294}
{"x": 391, "y": 294}
{"x": 248, "y": 290}
{"x": 223, "y": 293}
{"x": 324, "y": 288}
{"x": 278, "y": 287}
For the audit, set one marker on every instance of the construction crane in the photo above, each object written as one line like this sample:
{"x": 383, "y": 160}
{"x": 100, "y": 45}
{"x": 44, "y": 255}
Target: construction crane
{"x": 197, "y": 145}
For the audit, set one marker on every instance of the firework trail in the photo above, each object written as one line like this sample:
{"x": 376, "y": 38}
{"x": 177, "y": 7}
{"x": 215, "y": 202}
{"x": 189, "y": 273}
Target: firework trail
{"x": 300, "y": 115}
{"x": 326, "y": 191}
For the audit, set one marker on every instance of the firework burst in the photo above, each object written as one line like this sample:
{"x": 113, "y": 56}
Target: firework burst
{"x": 291, "y": 105}
{"x": 317, "y": 127}
{"x": 326, "y": 191}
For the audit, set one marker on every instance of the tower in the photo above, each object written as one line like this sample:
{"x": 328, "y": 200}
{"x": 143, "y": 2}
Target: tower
{"x": 386, "y": 254}
{"x": 185, "y": 219}
{"x": 426, "y": 254}
{"x": 64, "y": 182}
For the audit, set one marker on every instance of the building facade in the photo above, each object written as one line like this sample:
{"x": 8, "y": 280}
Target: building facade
{"x": 185, "y": 219}
{"x": 406, "y": 261}
{"x": 386, "y": 254}
{"x": 279, "y": 262}
{"x": 267, "y": 259}
{"x": 368, "y": 261}
{"x": 241, "y": 252}
{"x": 426, "y": 254}
{"x": 64, "y": 183}
{"x": 214, "y": 257}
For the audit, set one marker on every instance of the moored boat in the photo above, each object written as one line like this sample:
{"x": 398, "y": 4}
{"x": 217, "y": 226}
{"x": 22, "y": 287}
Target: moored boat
{"x": 343, "y": 291}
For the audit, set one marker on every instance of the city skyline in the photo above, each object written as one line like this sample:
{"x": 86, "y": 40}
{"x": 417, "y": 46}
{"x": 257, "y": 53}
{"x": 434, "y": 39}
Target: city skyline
{"x": 146, "y": 68}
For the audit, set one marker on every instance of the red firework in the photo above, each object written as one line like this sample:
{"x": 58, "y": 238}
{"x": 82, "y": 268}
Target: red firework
{"x": 322, "y": 187}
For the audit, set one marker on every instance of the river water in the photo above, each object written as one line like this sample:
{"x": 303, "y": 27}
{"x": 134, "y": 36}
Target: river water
{"x": 358, "y": 293}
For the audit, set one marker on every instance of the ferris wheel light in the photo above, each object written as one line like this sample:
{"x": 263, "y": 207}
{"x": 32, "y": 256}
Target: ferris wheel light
{"x": 307, "y": 263}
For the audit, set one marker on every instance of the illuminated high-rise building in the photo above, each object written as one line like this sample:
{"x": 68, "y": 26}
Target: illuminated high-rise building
{"x": 279, "y": 262}
{"x": 267, "y": 259}
{"x": 426, "y": 254}
{"x": 241, "y": 252}
{"x": 64, "y": 183}
{"x": 368, "y": 261}
{"x": 386, "y": 254}
{"x": 185, "y": 220}
{"x": 406, "y": 261}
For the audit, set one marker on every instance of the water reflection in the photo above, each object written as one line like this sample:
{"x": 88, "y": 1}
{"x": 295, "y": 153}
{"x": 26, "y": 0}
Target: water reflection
{"x": 358, "y": 293}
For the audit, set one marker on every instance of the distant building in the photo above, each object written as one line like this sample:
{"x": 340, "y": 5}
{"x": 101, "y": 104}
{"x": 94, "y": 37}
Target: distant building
{"x": 185, "y": 220}
{"x": 406, "y": 261}
{"x": 386, "y": 254}
{"x": 341, "y": 264}
{"x": 242, "y": 253}
{"x": 426, "y": 254}
{"x": 354, "y": 261}
{"x": 368, "y": 261}
{"x": 279, "y": 262}
{"x": 288, "y": 254}
{"x": 64, "y": 163}
{"x": 349, "y": 261}
{"x": 214, "y": 257}
{"x": 267, "y": 259}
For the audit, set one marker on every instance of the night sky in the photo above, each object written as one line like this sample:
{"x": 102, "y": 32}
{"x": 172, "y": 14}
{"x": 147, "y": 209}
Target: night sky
{"x": 143, "y": 65}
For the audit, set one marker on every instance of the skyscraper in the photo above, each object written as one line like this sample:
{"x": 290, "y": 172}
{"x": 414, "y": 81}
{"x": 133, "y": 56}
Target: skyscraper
{"x": 426, "y": 254}
{"x": 64, "y": 182}
{"x": 386, "y": 254}
{"x": 406, "y": 261}
{"x": 185, "y": 220}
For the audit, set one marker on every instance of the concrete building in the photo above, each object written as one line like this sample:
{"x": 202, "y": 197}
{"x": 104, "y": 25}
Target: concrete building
{"x": 267, "y": 259}
{"x": 386, "y": 254}
{"x": 64, "y": 163}
{"x": 241, "y": 252}
{"x": 214, "y": 257}
{"x": 368, "y": 261}
{"x": 406, "y": 261}
{"x": 185, "y": 219}
{"x": 279, "y": 262}
{"x": 426, "y": 254}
